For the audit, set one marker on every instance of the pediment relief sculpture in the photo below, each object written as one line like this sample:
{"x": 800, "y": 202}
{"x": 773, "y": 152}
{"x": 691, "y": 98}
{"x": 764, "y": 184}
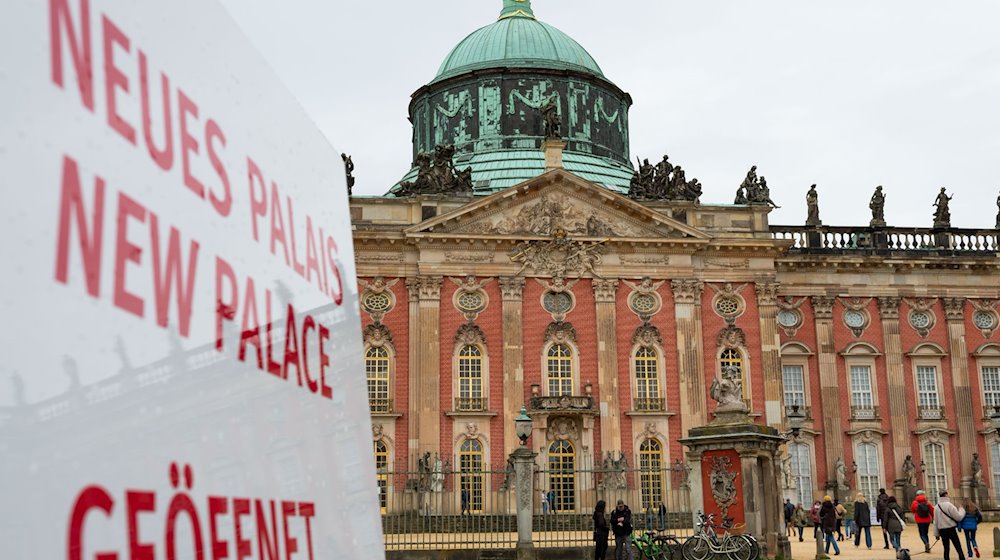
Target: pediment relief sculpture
{"x": 558, "y": 257}
{"x": 555, "y": 212}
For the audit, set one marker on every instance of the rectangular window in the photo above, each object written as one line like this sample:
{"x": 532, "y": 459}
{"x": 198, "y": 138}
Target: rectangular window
{"x": 861, "y": 387}
{"x": 795, "y": 386}
{"x": 928, "y": 400}
{"x": 991, "y": 386}
{"x": 934, "y": 470}
{"x": 801, "y": 454}
{"x": 995, "y": 463}
{"x": 868, "y": 469}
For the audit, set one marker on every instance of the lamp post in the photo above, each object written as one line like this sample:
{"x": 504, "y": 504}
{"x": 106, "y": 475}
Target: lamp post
{"x": 524, "y": 460}
{"x": 796, "y": 419}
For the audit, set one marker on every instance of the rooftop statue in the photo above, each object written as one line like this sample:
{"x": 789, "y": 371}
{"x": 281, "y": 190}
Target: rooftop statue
{"x": 812, "y": 204}
{"x": 664, "y": 181}
{"x": 998, "y": 211}
{"x": 753, "y": 190}
{"x": 436, "y": 174}
{"x": 349, "y": 171}
{"x": 942, "y": 215}
{"x": 550, "y": 115}
{"x": 877, "y": 205}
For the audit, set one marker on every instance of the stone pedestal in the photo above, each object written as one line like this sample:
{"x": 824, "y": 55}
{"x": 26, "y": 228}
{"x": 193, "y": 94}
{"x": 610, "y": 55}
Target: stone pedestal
{"x": 734, "y": 467}
{"x": 524, "y": 462}
{"x": 553, "y": 150}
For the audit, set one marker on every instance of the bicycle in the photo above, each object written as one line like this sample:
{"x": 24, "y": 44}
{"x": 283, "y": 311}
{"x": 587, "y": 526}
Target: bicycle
{"x": 653, "y": 546}
{"x": 705, "y": 542}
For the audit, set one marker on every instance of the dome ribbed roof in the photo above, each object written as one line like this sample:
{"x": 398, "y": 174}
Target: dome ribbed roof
{"x": 517, "y": 40}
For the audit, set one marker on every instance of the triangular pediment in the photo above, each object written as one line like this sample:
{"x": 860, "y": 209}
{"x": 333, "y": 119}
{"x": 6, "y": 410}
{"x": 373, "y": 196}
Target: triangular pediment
{"x": 558, "y": 202}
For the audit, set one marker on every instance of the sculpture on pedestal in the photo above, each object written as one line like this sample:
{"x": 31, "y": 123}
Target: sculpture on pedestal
{"x": 942, "y": 215}
{"x": 436, "y": 174}
{"x": 909, "y": 471}
{"x": 754, "y": 190}
{"x": 727, "y": 390}
{"x": 841, "y": 470}
{"x": 812, "y": 204}
{"x": 877, "y": 205}
{"x": 977, "y": 471}
{"x": 437, "y": 475}
{"x": 664, "y": 181}
{"x": 550, "y": 116}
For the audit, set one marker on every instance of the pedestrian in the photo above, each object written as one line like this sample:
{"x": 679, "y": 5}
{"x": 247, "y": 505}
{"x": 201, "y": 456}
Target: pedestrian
{"x": 663, "y": 516}
{"x": 649, "y": 517}
{"x": 923, "y": 515}
{"x": 545, "y": 501}
{"x": 973, "y": 517}
{"x": 465, "y": 501}
{"x": 946, "y": 525}
{"x": 814, "y": 516}
{"x": 551, "y": 498}
{"x": 862, "y": 521}
{"x": 621, "y": 526}
{"x": 841, "y": 512}
{"x": 789, "y": 513}
{"x": 848, "y": 518}
{"x": 880, "y": 503}
{"x": 828, "y": 521}
{"x": 892, "y": 521}
{"x": 801, "y": 519}
{"x": 601, "y": 531}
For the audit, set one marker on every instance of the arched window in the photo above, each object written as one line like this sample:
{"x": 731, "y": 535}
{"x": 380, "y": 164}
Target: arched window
{"x": 559, "y": 368}
{"x": 562, "y": 474}
{"x": 934, "y": 469}
{"x": 801, "y": 456}
{"x": 651, "y": 474}
{"x": 382, "y": 472}
{"x": 470, "y": 379}
{"x": 377, "y": 372}
{"x": 470, "y": 461}
{"x": 995, "y": 462}
{"x": 731, "y": 357}
{"x": 869, "y": 472}
{"x": 647, "y": 380}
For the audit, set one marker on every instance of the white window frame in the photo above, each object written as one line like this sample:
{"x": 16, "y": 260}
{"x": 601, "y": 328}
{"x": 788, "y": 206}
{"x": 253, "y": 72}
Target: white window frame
{"x": 661, "y": 392}
{"x": 870, "y": 471}
{"x": 574, "y": 355}
{"x": 803, "y": 472}
{"x": 934, "y": 455}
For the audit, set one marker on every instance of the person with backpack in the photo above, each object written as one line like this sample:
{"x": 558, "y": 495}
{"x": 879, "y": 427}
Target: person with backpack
{"x": 880, "y": 504}
{"x": 862, "y": 521}
{"x": 789, "y": 512}
{"x": 848, "y": 519}
{"x": 973, "y": 517}
{"x": 892, "y": 522}
{"x": 828, "y": 521}
{"x": 946, "y": 525}
{"x": 923, "y": 515}
{"x": 801, "y": 519}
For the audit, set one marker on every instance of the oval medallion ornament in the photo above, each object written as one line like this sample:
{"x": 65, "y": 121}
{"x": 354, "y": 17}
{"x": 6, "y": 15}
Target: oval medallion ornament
{"x": 788, "y": 318}
{"x": 984, "y": 320}
{"x": 854, "y": 319}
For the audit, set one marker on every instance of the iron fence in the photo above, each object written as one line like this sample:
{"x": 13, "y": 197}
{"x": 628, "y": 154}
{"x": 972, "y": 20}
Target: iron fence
{"x": 449, "y": 509}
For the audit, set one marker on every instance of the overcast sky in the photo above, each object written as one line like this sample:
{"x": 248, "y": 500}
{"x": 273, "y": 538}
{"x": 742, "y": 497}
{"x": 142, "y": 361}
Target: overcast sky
{"x": 847, "y": 94}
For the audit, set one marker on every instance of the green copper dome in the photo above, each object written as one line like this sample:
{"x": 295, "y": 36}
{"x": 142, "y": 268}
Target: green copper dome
{"x": 519, "y": 40}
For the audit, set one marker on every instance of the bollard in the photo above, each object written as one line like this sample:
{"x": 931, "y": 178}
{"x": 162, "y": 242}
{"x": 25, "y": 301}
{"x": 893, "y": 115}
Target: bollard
{"x": 820, "y": 555}
{"x": 996, "y": 542}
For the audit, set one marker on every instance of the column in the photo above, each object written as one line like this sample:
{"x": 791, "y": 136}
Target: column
{"x": 888, "y": 308}
{"x": 770, "y": 346}
{"x": 511, "y": 290}
{"x": 690, "y": 352}
{"x": 833, "y": 426}
{"x": 427, "y": 356}
{"x": 607, "y": 364}
{"x": 413, "y": 372}
{"x": 753, "y": 492}
{"x": 524, "y": 462}
{"x": 954, "y": 309}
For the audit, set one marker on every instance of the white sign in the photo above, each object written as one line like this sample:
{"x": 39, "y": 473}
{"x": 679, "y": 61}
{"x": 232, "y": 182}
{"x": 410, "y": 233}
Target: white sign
{"x": 181, "y": 372}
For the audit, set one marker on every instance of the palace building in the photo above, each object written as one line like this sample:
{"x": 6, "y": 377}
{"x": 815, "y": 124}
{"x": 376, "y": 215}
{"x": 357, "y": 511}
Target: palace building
{"x": 523, "y": 261}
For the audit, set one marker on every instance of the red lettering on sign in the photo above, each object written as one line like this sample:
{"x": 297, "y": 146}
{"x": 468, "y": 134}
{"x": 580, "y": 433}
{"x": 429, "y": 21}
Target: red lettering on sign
{"x": 137, "y": 502}
{"x": 71, "y": 210}
{"x": 60, "y": 21}
{"x": 126, "y": 252}
{"x": 225, "y": 309}
{"x": 164, "y": 157}
{"x": 217, "y": 506}
{"x": 241, "y": 508}
{"x": 166, "y": 281}
{"x": 213, "y": 134}
{"x": 114, "y": 79}
{"x": 263, "y": 535}
{"x": 188, "y": 143}
{"x": 273, "y": 366}
{"x": 92, "y": 497}
{"x": 251, "y": 325}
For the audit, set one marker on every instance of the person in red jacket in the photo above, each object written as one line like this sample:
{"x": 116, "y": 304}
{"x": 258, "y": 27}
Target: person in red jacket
{"x": 923, "y": 515}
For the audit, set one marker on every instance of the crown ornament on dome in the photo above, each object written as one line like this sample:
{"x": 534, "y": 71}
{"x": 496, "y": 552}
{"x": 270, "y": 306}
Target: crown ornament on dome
{"x": 516, "y": 8}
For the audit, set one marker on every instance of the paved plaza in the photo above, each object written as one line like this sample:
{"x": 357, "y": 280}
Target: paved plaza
{"x": 911, "y": 539}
